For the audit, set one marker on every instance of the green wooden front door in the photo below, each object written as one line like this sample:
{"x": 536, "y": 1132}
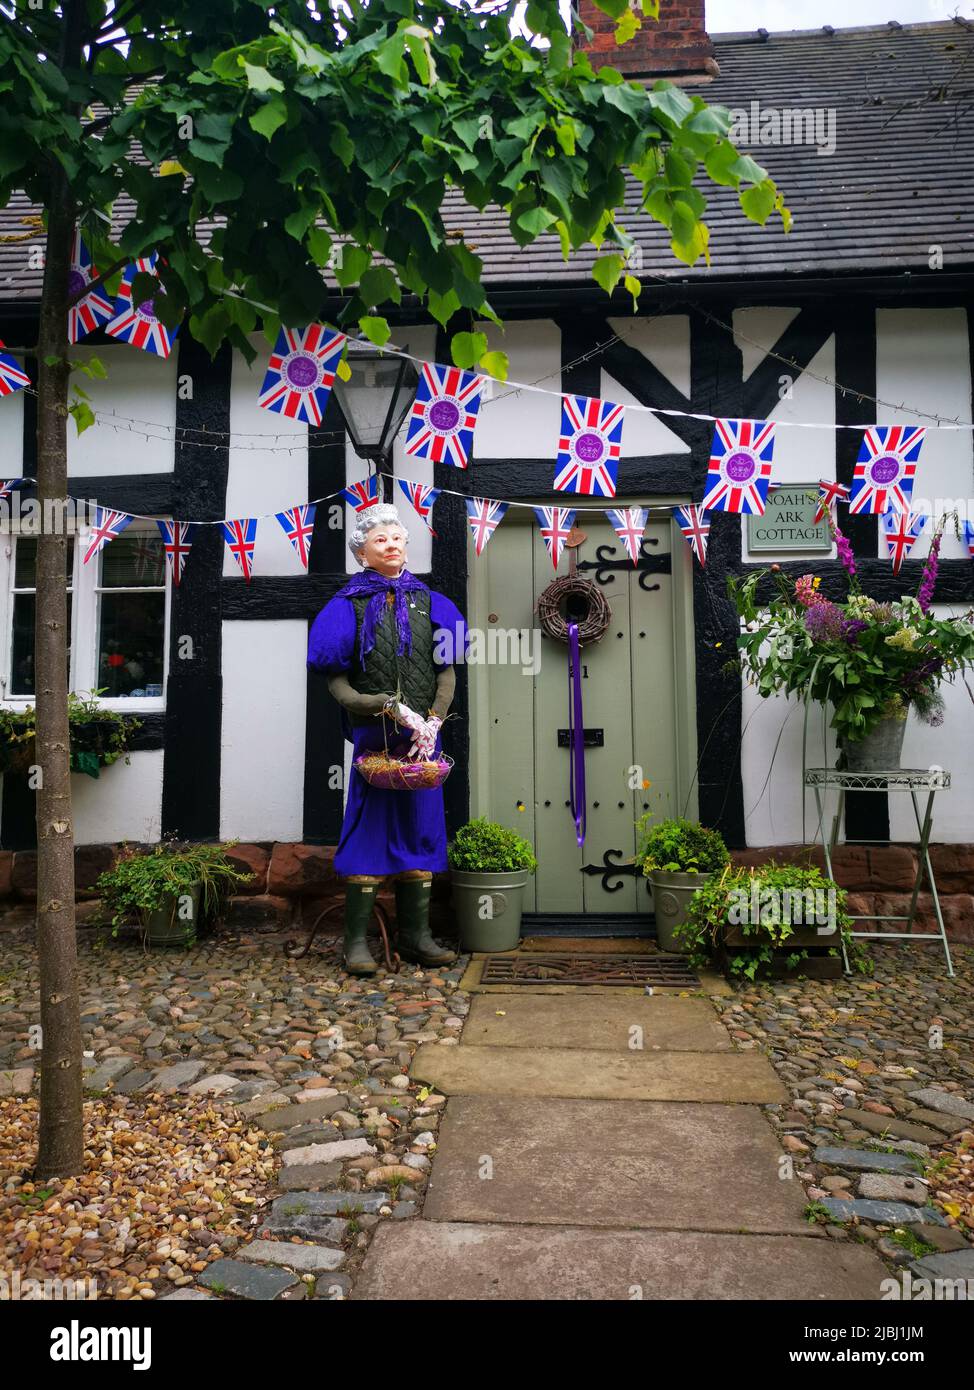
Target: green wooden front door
{"x": 634, "y": 683}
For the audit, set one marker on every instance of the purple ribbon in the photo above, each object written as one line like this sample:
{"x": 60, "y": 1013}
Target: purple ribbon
{"x": 576, "y": 735}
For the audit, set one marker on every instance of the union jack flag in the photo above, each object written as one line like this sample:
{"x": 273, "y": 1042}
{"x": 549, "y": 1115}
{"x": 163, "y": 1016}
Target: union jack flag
{"x": 740, "y": 467}
{"x": 7, "y": 488}
{"x": 969, "y": 537}
{"x": 828, "y": 494}
{"x": 422, "y": 498}
{"x": 902, "y": 529}
{"x": 11, "y": 377}
{"x": 444, "y": 414}
{"x": 137, "y": 323}
{"x": 300, "y": 372}
{"x": 149, "y": 561}
{"x": 629, "y": 524}
{"x": 483, "y": 517}
{"x": 693, "y": 523}
{"x": 108, "y": 525}
{"x": 364, "y": 494}
{"x": 589, "y": 446}
{"x": 884, "y": 472}
{"x": 95, "y": 308}
{"x": 177, "y": 537}
{"x": 240, "y": 537}
{"x": 556, "y": 524}
{"x": 298, "y": 523}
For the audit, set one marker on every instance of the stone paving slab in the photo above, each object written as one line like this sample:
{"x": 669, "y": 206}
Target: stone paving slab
{"x": 309, "y": 1177}
{"x": 286, "y": 1116}
{"x": 864, "y": 1160}
{"x": 480, "y": 1262}
{"x": 948, "y": 1102}
{"x": 247, "y": 1280}
{"x": 743, "y": 1077}
{"x": 892, "y": 1124}
{"x": 668, "y": 1023}
{"x": 309, "y": 1259}
{"x": 889, "y": 1213}
{"x": 612, "y": 1163}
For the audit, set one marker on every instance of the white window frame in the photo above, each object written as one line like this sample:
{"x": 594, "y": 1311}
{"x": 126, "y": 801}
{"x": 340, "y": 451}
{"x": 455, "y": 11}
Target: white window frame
{"x": 86, "y": 587}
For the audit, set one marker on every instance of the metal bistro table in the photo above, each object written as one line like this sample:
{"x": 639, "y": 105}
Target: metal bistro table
{"x": 907, "y": 779}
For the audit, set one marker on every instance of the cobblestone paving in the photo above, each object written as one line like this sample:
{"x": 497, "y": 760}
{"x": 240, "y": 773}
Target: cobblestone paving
{"x": 300, "y": 1064}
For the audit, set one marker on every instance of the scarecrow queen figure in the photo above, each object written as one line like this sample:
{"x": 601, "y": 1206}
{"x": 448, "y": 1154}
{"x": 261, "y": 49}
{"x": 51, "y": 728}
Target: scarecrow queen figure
{"x": 387, "y": 644}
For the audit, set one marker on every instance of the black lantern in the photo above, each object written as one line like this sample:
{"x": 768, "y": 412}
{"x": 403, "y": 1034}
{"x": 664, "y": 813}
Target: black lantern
{"x": 374, "y": 402}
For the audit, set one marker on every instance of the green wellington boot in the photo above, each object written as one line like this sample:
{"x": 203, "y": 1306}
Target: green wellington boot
{"x": 359, "y": 904}
{"x": 414, "y": 942}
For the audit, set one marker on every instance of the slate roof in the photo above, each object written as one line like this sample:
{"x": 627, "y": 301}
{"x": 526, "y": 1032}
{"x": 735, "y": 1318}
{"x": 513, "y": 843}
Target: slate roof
{"x": 901, "y": 179}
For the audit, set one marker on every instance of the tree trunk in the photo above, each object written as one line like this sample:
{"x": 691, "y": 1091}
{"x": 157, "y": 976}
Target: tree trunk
{"x": 61, "y": 1147}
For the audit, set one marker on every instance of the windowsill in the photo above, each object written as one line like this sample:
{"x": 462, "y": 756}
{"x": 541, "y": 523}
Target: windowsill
{"x": 119, "y": 705}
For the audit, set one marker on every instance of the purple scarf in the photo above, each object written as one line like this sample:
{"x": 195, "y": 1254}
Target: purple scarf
{"x": 378, "y": 585}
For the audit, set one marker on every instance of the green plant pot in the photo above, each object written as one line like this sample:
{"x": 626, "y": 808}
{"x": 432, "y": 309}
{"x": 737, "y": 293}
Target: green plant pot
{"x": 500, "y": 894}
{"x": 165, "y": 928}
{"x": 671, "y": 898}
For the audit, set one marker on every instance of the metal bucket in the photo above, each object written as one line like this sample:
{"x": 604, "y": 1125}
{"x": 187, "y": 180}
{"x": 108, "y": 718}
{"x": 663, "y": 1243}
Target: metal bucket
{"x": 488, "y": 907}
{"x": 671, "y": 898}
{"x": 879, "y": 751}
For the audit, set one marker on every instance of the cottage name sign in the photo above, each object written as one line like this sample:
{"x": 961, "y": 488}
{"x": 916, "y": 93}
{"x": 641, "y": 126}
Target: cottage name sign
{"x": 788, "y": 522}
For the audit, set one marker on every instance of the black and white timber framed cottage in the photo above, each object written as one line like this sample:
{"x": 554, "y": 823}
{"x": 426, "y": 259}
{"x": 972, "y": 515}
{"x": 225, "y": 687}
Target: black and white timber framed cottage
{"x": 870, "y": 298}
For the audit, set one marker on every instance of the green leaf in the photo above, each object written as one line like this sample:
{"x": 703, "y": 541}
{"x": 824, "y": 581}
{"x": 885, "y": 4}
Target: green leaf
{"x": 758, "y": 202}
{"x": 468, "y": 348}
{"x": 319, "y": 246}
{"x": 270, "y": 117}
{"x": 443, "y": 306}
{"x": 297, "y": 224}
{"x": 389, "y": 59}
{"x": 719, "y": 163}
{"x": 260, "y": 80}
{"x": 635, "y": 289}
{"x": 341, "y": 144}
{"x": 628, "y": 25}
{"x": 82, "y": 414}
{"x": 695, "y": 246}
{"x": 378, "y": 285}
{"x": 352, "y": 263}
{"x": 375, "y": 329}
{"x": 607, "y": 272}
{"x": 495, "y": 364}
{"x": 536, "y": 220}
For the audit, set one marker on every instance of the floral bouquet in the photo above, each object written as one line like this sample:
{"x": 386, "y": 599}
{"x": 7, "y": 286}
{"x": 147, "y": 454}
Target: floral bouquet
{"x": 870, "y": 660}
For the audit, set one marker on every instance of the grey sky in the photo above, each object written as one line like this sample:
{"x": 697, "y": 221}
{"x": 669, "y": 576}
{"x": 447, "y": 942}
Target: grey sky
{"x": 729, "y": 15}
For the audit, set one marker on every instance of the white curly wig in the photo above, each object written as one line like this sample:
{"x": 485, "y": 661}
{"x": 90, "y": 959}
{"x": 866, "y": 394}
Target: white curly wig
{"x": 382, "y": 514}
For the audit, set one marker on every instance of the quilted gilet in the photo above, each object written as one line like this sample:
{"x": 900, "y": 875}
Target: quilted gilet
{"x": 413, "y": 673}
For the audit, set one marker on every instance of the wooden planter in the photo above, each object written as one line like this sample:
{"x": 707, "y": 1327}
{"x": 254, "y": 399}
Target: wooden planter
{"x": 817, "y": 965}
{"x": 94, "y": 737}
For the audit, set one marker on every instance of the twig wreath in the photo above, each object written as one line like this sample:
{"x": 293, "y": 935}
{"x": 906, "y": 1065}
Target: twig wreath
{"x": 592, "y": 625}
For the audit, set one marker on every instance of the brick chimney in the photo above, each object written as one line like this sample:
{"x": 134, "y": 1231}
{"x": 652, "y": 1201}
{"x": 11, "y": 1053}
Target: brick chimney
{"x": 676, "y": 46}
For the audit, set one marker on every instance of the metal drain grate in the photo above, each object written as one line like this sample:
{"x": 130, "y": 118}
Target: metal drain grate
{"x": 571, "y": 968}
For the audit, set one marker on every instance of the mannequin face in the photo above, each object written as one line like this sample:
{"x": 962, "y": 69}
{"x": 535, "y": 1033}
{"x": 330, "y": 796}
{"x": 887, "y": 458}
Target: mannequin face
{"x": 385, "y": 549}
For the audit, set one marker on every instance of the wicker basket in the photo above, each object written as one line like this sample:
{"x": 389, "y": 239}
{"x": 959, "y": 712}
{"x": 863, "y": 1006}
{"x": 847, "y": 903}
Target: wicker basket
{"x": 403, "y": 774}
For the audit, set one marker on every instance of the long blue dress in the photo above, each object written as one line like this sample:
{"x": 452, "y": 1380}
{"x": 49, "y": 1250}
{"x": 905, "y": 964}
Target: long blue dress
{"x": 383, "y": 832}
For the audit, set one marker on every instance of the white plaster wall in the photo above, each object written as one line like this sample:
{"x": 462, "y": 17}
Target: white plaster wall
{"x": 268, "y": 467}
{"x": 524, "y": 424}
{"x": 665, "y": 340}
{"x": 140, "y": 391}
{"x": 923, "y": 360}
{"x": 756, "y": 330}
{"x": 12, "y": 436}
{"x": 263, "y": 744}
{"x": 124, "y": 803}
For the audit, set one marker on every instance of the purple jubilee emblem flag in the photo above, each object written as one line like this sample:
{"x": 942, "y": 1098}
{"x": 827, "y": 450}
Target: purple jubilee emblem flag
{"x": 137, "y": 324}
{"x": 444, "y": 414}
{"x": 589, "y": 446}
{"x": 740, "y": 467}
{"x": 300, "y": 372}
{"x": 884, "y": 472}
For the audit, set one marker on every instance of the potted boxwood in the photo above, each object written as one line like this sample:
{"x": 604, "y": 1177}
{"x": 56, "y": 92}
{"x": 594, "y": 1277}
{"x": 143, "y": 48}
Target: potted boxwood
{"x": 677, "y": 856}
{"x": 489, "y": 869}
{"x": 169, "y": 889}
{"x": 775, "y": 920}
{"x": 99, "y": 736}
